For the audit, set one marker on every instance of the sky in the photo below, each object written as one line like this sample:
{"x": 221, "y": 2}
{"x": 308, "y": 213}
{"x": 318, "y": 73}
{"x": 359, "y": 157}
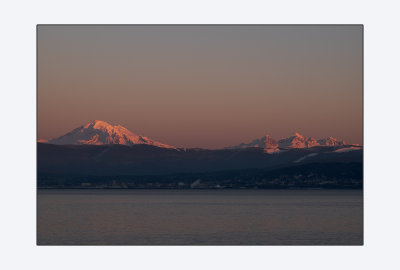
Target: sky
{"x": 202, "y": 86}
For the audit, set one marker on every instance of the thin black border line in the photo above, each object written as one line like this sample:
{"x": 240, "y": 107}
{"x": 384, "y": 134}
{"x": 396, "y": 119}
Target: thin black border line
{"x": 37, "y": 130}
{"x": 360, "y": 24}
{"x": 363, "y": 133}
{"x": 363, "y": 114}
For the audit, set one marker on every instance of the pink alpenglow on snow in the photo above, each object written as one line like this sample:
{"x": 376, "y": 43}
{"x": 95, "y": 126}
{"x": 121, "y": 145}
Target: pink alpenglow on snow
{"x": 99, "y": 132}
{"x": 296, "y": 141}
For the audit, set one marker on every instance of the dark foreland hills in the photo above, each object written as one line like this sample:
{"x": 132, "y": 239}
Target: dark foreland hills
{"x": 99, "y": 155}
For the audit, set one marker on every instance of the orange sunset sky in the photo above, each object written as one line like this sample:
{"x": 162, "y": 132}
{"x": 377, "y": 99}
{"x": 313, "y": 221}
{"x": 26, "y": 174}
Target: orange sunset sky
{"x": 202, "y": 86}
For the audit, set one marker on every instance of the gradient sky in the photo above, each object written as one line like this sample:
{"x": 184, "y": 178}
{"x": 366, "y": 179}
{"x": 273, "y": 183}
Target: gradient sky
{"x": 202, "y": 86}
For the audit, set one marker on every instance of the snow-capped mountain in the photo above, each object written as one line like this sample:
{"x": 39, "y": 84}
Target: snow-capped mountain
{"x": 296, "y": 141}
{"x": 99, "y": 132}
{"x": 330, "y": 141}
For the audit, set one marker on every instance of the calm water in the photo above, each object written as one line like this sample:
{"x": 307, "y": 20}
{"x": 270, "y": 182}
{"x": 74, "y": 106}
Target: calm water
{"x": 199, "y": 217}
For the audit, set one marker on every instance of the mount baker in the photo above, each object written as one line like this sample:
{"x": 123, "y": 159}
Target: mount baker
{"x": 100, "y": 132}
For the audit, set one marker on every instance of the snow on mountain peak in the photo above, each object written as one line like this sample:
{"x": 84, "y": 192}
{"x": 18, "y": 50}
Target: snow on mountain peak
{"x": 98, "y": 124}
{"x": 298, "y": 135}
{"x": 100, "y": 132}
{"x": 330, "y": 141}
{"x": 295, "y": 141}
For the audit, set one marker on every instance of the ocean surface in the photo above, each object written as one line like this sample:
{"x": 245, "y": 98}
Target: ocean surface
{"x": 200, "y": 217}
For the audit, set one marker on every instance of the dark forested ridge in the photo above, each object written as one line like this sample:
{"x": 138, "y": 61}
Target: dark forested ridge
{"x": 314, "y": 175}
{"x": 143, "y": 166}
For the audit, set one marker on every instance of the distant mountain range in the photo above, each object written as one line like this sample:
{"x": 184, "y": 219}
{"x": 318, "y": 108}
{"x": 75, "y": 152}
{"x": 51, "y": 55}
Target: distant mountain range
{"x": 296, "y": 141}
{"x": 100, "y": 132}
{"x": 97, "y": 153}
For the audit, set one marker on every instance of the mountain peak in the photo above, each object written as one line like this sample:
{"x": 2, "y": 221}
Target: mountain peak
{"x": 296, "y": 134}
{"x": 331, "y": 141}
{"x": 98, "y": 124}
{"x": 99, "y": 132}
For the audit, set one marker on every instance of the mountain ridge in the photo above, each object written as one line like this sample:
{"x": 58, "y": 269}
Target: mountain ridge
{"x": 99, "y": 132}
{"x": 296, "y": 141}
{"x": 147, "y": 159}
